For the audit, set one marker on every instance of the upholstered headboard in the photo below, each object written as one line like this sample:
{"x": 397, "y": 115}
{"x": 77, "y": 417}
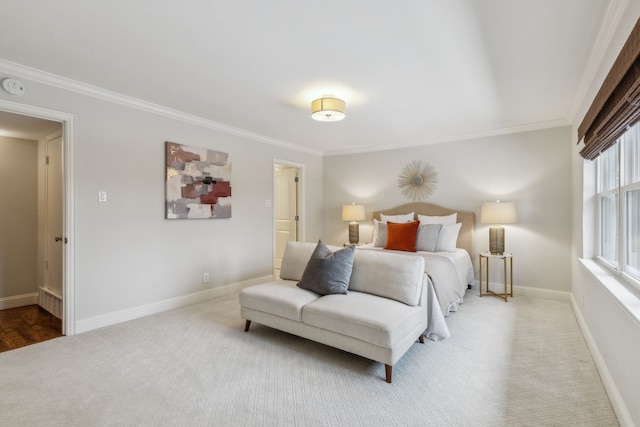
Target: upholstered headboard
{"x": 467, "y": 218}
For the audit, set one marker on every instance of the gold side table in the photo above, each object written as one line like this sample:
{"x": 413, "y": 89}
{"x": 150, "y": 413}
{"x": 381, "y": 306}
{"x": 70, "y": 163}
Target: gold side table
{"x": 508, "y": 288}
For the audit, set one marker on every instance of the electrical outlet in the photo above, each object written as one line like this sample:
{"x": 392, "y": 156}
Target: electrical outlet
{"x": 205, "y": 278}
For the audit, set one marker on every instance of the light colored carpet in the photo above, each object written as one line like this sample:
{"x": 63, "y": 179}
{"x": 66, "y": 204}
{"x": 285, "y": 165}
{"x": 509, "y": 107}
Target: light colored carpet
{"x": 521, "y": 363}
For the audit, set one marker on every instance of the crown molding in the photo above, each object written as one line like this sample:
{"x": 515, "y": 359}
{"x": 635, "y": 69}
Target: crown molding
{"x": 75, "y": 86}
{"x": 33, "y": 74}
{"x": 460, "y": 137}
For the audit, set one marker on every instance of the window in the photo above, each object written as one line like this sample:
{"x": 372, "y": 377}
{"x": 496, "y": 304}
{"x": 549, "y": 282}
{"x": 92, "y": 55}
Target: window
{"x": 618, "y": 196}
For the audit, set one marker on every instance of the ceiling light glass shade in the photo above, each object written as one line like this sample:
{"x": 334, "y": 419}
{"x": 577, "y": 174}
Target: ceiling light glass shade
{"x": 327, "y": 109}
{"x": 498, "y": 213}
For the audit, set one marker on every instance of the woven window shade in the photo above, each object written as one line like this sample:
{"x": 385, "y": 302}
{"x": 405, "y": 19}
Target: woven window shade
{"x": 617, "y": 104}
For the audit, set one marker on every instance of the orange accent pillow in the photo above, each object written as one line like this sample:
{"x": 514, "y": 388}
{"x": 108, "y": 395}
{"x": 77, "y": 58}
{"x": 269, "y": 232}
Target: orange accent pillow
{"x": 402, "y": 237}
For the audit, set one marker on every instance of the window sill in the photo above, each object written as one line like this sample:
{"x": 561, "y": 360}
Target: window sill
{"x": 618, "y": 290}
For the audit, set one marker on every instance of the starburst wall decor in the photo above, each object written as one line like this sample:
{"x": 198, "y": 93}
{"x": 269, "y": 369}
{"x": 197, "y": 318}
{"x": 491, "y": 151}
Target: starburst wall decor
{"x": 417, "y": 182}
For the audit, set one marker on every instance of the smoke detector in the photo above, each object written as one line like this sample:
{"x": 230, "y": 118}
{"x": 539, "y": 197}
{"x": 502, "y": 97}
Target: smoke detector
{"x": 13, "y": 86}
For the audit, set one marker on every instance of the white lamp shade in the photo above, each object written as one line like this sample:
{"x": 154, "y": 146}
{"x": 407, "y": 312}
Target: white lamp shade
{"x": 498, "y": 213}
{"x": 353, "y": 212}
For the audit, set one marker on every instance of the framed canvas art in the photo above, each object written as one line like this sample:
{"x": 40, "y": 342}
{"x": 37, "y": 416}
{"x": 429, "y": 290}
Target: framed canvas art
{"x": 198, "y": 183}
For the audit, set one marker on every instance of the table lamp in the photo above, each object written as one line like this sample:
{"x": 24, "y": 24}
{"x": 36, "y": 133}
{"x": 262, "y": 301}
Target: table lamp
{"x": 353, "y": 213}
{"x": 497, "y": 213}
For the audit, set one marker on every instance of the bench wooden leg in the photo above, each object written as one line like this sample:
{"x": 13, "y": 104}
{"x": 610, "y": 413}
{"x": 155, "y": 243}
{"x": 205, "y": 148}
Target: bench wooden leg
{"x": 246, "y": 325}
{"x": 421, "y": 338}
{"x": 388, "y": 371}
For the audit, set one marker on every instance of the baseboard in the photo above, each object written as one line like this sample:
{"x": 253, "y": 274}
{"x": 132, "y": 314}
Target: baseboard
{"x": 542, "y": 293}
{"x": 160, "y": 306}
{"x": 532, "y": 292}
{"x": 624, "y": 418}
{"x": 18, "y": 301}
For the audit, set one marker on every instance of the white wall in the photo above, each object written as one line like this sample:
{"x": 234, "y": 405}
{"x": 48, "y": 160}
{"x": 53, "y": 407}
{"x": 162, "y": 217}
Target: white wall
{"x": 127, "y": 254}
{"x": 18, "y": 216}
{"x": 612, "y": 330}
{"x": 532, "y": 169}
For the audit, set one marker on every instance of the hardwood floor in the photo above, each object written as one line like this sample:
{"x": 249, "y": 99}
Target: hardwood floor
{"x": 27, "y": 325}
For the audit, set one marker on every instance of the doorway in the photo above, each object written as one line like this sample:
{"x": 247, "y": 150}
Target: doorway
{"x": 52, "y": 288}
{"x": 287, "y": 195}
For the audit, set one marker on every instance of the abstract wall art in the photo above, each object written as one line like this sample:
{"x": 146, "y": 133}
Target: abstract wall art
{"x": 198, "y": 183}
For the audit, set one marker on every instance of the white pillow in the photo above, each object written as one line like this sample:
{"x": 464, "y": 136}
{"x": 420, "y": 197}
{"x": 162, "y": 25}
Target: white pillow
{"x": 397, "y": 218}
{"x": 444, "y": 220}
{"x": 393, "y": 218}
{"x": 448, "y": 237}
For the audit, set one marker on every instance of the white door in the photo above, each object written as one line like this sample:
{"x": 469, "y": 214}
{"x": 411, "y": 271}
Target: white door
{"x": 286, "y": 210}
{"x": 54, "y": 197}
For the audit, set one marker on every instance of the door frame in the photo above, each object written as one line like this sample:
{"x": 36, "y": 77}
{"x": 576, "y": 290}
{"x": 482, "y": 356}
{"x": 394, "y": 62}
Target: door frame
{"x": 301, "y": 203}
{"x": 68, "y": 204}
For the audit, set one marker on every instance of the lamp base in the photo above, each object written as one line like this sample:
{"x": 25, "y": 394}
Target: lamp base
{"x": 496, "y": 240}
{"x": 354, "y": 233}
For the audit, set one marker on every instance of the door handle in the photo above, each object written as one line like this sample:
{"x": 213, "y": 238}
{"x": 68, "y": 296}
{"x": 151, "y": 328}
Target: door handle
{"x": 58, "y": 238}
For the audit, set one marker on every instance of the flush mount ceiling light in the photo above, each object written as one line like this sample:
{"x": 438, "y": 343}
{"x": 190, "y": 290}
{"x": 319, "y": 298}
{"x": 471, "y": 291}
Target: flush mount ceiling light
{"x": 327, "y": 109}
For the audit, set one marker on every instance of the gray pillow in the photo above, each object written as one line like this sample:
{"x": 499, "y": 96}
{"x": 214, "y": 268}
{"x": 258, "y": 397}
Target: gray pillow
{"x": 328, "y": 272}
{"x": 381, "y": 238}
{"x": 427, "y": 237}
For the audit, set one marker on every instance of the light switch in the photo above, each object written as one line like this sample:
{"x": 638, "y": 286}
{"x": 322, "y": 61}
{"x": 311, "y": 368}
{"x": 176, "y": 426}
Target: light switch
{"x": 102, "y": 196}
{"x": 267, "y": 203}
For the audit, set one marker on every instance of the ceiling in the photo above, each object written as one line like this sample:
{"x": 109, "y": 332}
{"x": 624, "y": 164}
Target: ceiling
{"x": 412, "y": 72}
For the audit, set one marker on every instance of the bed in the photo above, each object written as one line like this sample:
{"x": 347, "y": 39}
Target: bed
{"x": 450, "y": 271}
